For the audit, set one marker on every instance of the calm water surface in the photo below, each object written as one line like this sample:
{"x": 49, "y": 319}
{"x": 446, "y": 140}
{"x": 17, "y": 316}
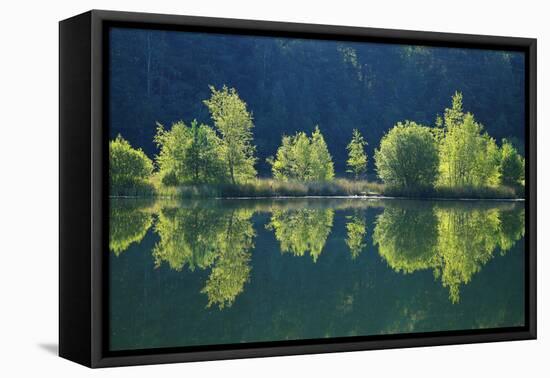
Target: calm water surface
{"x": 235, "y": 271}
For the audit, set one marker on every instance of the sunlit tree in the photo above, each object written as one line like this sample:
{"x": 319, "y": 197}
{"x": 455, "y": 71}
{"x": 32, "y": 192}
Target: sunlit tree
{"x": 322, "y": 167}
{"x": 468, "y": 156}
{"x": 407, "y": 157}
{"x": 303, "y": 158}
{"x": 357, "y": 156}
{"x": 234, "y": 123}
{"x": 189, "y": 154}
{"x": 128, "y": 167}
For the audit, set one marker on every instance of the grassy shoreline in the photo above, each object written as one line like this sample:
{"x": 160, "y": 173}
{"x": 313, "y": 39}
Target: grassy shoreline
{"x": 269, "y": 188}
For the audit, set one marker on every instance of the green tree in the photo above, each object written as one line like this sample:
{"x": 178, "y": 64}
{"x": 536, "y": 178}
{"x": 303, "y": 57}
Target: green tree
{"x": 128, "y": 167}
{"x": 189, "y": 154}
{"x": 407, "y": 157}
{"x": 302, "y": 158}
{"x": 468, "y": 156}
{"x": 234, "y": 123}
{"x": 357, "y": 157}
{"x": 322, "y": 167}
{"x": 512, "y": 165}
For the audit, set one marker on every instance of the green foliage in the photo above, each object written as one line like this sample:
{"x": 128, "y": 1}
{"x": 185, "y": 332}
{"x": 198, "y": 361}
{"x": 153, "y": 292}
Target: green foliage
{"x": 128, "y": 224}
{"x": 406, "y": 235}
{"x": 187, "y": 236}
{"x": 234, "y": 123}
{"x": 208, "y": 237}
{"x": 303, "y": 159}
{"x": 470, "y": 192}
{"x": 356, "y": 234}
{"x": 512, "y": 224}
{"x": 468, "y": 156}
{"x": 128, "y": 167}
{"x": 231, "y": 270}
{"x": 357, "y": 157}
{"x": 453, "y": 159}
{"x": 512, "y": 165}
{"x": 455, "y": 241}
{"x": 271, "y": 188}
{"x": 466, "y": 241}
{"x": 322, "y": 167}
{"x": 303, "y": 230}
{"x": 189, "y": 154}
{"x": 347, "y": 85}
{"x": 407, "y": 157}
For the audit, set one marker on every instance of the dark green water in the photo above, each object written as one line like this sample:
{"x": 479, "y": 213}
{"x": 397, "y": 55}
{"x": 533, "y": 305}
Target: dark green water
{"x": 237, "y": 271}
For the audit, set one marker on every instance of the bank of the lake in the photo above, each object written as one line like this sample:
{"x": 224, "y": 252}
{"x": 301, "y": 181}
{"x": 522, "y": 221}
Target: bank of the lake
{"x": 269, "y": 188}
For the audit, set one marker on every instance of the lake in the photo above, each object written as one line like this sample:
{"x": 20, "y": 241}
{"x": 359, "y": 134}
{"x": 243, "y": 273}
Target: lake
{"x": 188, "y": 273}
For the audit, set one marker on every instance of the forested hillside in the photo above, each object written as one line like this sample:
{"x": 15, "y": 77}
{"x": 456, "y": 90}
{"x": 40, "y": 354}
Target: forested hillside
{"x": 292, "y": 85}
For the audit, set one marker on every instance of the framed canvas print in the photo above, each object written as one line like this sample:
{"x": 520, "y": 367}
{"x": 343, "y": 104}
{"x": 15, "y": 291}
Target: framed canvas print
{"x": 233, "y": 188}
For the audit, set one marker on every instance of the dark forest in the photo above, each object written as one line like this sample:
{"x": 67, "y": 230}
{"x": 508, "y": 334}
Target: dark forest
{"x": 292, "y": 85}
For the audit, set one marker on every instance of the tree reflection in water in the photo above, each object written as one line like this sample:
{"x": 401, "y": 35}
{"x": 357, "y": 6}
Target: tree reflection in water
{"x": 203, "y": 237}
{"x": 454, "y": 240}
{"x": 128, "y": 223}
{"x": 356, "y": 233}
{"x": 302, "y": 230}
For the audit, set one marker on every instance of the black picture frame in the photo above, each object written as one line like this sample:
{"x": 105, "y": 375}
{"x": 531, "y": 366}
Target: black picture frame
{"x": 83, "y": 193}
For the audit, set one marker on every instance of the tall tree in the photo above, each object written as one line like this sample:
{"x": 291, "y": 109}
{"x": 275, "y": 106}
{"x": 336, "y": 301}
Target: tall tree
{"x": 357, "y": 157}
{"x": 234, "y": 123}
{"x": 468, "y": 156}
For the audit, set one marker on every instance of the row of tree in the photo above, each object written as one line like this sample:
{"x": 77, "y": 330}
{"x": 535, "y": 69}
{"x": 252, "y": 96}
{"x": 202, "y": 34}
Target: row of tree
{"x": 294, "y": 84}
{"x": 455, "y": 153}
